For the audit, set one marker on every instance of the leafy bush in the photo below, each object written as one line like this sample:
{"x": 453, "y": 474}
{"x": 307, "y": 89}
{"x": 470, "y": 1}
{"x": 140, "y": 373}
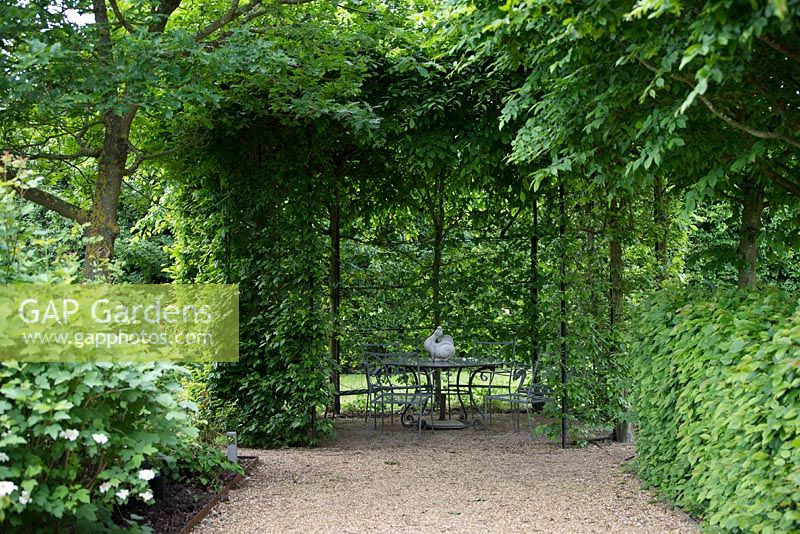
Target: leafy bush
{"x": 28, "y": 254}
{"x": 75, "y": 437}
{"x": 78, "y": 440}
{"x": 192, "y": 460}
{"x": 142, "y": 260}
{"x": 718, "y": 395}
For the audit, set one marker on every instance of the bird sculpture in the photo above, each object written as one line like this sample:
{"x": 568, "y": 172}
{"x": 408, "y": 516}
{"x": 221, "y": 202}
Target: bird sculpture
{"x": 439, "y": 345}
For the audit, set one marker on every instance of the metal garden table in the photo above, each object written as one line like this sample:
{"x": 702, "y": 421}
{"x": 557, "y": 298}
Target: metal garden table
{"x": 467, "y": 370}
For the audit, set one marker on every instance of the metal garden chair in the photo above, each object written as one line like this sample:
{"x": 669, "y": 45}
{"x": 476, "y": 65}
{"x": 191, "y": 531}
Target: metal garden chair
{"x": 394, "y": 379}
{"x": 516, "y": 385}
{"x": 487, "y": 379}
{"x": 375, "y": 347}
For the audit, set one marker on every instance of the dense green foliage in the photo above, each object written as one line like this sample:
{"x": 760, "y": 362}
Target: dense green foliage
{"x": 428, "y": 212}
{"x": 717, "y": 389}
{"x": 273, "y": 251}
{"x": 27, "y": 252}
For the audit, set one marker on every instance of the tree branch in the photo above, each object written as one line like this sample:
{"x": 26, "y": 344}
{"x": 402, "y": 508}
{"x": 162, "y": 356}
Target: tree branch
{"x": 398, "y": 250}
{"x": 232, "y": 13}
{"x": 504, "y": 230}
{"x": 53, "y": 203}
{"x": 352, "y": 9}
{"x": 44, "y": 199}
{"x": 721, "y": 115}
{"x": 120, "y": 17}
{"x": 783, "y": 182}
{"x": 78, "y": 135}
{"x": 251, "y": 11}
{"x": 255, "y": 14}
{"x": 161, "y": 12}
{"x": 778, "y": 47}
{"x": 142, "y": 156}
{"x": 61, "y": 157}
{"x": 744, "y": 128}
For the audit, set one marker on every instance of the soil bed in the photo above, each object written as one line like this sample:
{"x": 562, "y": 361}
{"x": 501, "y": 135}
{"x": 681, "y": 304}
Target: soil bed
{"x": 182, "y": 502}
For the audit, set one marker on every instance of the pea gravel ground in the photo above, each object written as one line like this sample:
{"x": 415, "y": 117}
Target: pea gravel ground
{"x": 445, "y": 481}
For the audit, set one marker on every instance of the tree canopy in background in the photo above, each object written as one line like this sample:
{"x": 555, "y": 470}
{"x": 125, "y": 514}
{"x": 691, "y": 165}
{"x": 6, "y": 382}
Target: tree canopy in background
{"x": 84, "y": 81}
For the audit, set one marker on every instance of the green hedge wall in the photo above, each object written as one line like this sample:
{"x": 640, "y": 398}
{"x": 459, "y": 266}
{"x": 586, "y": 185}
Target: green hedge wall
{"x": 717, "y": 390}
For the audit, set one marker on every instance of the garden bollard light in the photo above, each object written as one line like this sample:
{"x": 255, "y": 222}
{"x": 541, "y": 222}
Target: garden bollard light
{"x": 230, "y": 438}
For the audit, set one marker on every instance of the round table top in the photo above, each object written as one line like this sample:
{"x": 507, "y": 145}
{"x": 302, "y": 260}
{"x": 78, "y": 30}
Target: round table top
{"x": 452, "y": 363}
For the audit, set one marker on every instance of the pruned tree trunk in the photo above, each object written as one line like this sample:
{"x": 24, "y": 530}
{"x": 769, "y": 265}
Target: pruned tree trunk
{"x": 438, "y": 238}
{"x": 624, "y": 430}
{"x": 752, "y": 208}
{"x": 590, "y": 271}
{"x": 310, "y": 287}
{"x": 594, "y": 300}
{"x": 615, "y": 267}
{"x": 616, "y": 291}
{"x": 334, "y": 288}
{"x": 661, "y": 222}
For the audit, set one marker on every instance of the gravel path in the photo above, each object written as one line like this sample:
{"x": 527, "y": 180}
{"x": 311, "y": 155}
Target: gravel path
{"x": 445, "y": 481}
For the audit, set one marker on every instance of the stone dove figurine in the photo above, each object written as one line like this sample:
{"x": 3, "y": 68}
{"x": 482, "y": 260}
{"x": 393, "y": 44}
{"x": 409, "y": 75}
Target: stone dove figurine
{"x": 439, "y": 345}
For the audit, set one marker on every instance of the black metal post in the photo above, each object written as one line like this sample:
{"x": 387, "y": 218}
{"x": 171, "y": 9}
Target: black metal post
{"x": 310, "y": 285}
{"x": 534, "y": 274}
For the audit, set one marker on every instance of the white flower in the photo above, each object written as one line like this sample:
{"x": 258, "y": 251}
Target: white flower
{"x": 3, "y": 457}
{"x": 146, "y": 495}
{"x": 70, "y": 434}
{"x": 147, "y": 474}
{"x": 7, "y": 488}
{"x": 105, "y": 486}
{"x": 24, "y": 497}
{"x": 123, "y": 494}
{"x": 100, "y": 438}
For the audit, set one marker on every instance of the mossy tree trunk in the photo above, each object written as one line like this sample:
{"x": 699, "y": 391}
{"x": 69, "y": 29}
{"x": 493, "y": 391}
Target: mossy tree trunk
{"x": 103, "y": 228}
{"x": 752, "y": 208}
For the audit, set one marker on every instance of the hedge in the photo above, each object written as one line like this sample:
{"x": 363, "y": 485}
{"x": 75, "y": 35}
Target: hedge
{"x": 717, "y": 392}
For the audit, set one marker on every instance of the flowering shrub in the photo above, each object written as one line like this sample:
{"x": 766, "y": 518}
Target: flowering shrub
{"x": 76, "y": 437}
